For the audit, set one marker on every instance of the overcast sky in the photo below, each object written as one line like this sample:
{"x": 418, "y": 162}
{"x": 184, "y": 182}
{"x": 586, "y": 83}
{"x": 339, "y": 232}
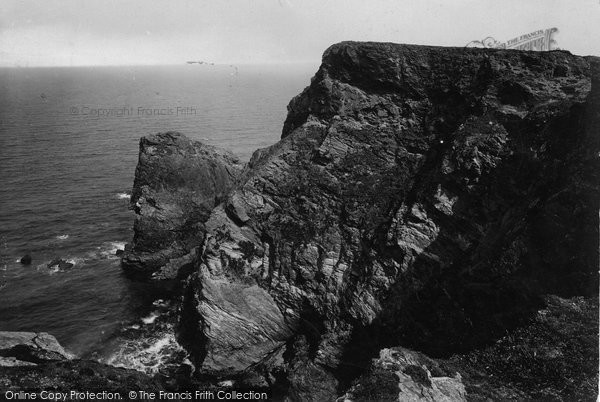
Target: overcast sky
{"x": 111, "y": 32}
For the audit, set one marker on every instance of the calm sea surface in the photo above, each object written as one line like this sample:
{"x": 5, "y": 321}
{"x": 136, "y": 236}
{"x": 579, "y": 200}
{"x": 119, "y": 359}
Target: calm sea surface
{"x": 68, "y": 151}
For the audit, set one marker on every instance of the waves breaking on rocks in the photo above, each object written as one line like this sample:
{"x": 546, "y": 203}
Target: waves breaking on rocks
{"x": 149, "y": 345}
{"x": 105, "y": 251}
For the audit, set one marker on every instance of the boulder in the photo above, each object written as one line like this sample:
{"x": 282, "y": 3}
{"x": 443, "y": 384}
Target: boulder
{"x": 403, "y": 375}
{"x": 26, "y": 259}
{"x": 27, "y": 348}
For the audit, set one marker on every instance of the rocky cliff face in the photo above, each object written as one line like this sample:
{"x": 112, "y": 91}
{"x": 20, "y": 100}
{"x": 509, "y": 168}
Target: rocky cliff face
{"x": 419, "y": 196}
{"x": 177, "y": 184}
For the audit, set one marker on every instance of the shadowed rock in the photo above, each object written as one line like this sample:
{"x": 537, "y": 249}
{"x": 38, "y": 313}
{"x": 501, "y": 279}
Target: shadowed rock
{"x": 177, "y": 183}
{"x": 80, "y": 375}
{"x": 553, "y": 357}
{"x": 29, "y": 348}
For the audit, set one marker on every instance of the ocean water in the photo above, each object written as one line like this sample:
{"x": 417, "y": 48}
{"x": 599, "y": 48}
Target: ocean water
{"x": 68, "y": 151}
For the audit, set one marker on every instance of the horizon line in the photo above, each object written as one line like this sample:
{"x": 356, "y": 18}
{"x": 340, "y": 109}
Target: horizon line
{"x": 183, "y": 63}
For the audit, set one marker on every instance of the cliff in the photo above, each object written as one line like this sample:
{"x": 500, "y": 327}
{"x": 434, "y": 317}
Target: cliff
{"x": 419, "y": 196}
{"x": 177, "y": 184}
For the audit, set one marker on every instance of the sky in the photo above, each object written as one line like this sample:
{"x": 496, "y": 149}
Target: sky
{"x": 140, "y": 32}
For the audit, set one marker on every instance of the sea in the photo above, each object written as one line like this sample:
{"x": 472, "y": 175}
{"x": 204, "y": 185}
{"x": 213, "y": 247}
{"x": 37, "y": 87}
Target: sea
{"x": 68, "y": 151}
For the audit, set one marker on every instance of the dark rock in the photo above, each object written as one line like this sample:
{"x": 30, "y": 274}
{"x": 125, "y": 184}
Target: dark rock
{"x": 420, "y": 196}
{"x": 26, "y": 259}
{"x": 80, "y": 375}
{"x": 307, "y": 381}
{"x": 60, "y": 263}
{"x": 34, "y": 362}
{"x": 553, "y": 357}
{"x": 177, "y": 183}
{"x": 65, "y": 265}
{"x": 119, "y": 252}
{"x": 26, "y": 348}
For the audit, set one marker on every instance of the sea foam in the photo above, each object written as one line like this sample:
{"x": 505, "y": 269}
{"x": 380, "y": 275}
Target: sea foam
{"x": 150, "y": 319}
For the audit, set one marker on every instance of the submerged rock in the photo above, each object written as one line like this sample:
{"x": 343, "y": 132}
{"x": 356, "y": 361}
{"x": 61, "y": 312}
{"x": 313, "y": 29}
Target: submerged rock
{"x": 26, "y": 259}
{"x": 60, "y": 263}
{"x": 177, "y": 183}
{"x": 419, "y": 196}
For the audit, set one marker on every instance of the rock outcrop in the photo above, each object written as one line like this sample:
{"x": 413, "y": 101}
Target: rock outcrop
{"x": 419, "y": 196}
{"x": 29, "y": 348}
{"x": 552, "y": 358}
{"x": 35, "y": 362}
{"x": 76, "y": 375}
{"x": 177, "y": 184}
{"x": 60, "y": 264}
{"x": 403, "y": 375}
{"x": 546, "y": 359}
